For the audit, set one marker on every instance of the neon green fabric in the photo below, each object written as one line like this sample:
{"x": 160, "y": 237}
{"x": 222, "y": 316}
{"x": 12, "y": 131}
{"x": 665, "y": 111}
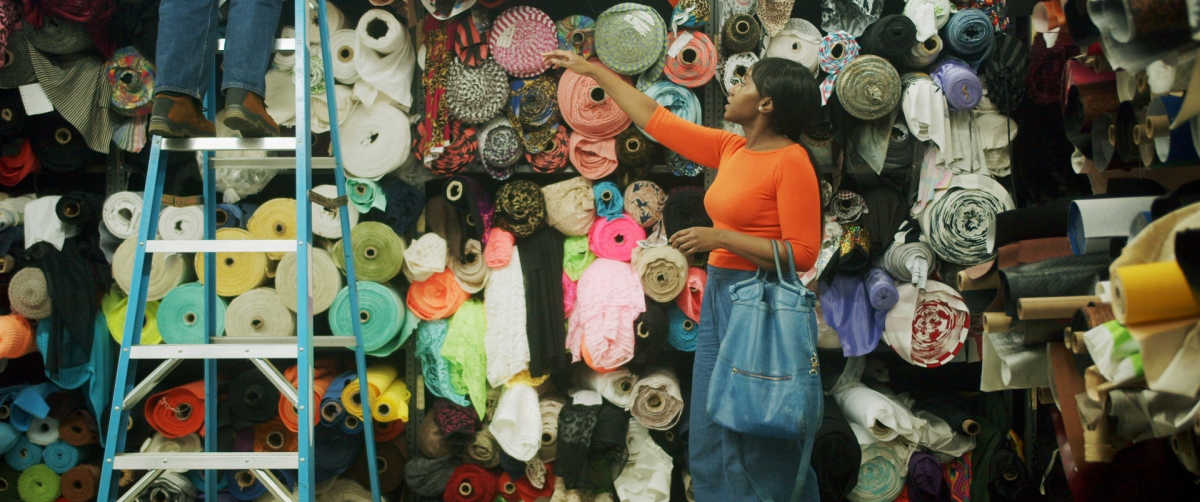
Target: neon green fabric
{"x": 464, "y": 350}
{"x": 576, "y": 256}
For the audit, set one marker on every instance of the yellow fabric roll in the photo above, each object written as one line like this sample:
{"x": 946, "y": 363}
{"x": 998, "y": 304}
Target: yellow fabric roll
{"x": 1152, "y": 292}
{"x": 275, "y": 219}
{"x": 166, "y": 270}
{"x": 393, "y": 403}
{"x": 379, "y": 378}
{"x": 237, "y": 273}
{"x": 114, "y": 307}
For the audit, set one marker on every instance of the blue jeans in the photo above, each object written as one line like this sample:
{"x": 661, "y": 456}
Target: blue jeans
{"x": 726, "y": 465}
{"x": 187, "y": 44}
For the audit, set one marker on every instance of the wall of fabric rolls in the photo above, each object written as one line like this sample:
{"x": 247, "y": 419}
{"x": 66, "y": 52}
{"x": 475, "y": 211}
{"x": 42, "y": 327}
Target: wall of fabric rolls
{"x": 1007, "y": 274}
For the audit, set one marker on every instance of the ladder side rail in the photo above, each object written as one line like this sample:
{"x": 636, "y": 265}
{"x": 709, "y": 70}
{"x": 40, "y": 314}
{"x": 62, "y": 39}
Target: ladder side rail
{"x": 209, "y": 175}
{"x": 306, "y": 472}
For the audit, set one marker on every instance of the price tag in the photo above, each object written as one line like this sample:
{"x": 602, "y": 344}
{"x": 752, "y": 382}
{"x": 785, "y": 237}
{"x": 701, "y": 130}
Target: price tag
{"x": 35, "y": 99}
{"x": 679, "y": 44}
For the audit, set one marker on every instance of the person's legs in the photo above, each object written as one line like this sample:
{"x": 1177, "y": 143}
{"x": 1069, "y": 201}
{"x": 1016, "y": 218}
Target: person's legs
{"x": 184, "y": 59}
{"x": 250, "y": 40}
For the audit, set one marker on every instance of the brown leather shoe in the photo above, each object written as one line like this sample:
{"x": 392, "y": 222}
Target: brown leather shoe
{"x": 244, "y": 112}
{"x": 178, "y": 116}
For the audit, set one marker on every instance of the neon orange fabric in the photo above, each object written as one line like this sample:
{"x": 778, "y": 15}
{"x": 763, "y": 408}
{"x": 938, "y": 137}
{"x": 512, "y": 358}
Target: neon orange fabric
{"x": 770, "y": 194}
{"x": 178, "y": 411}
{"x": 322, "y": 377}
{"x": 437, "y": 297}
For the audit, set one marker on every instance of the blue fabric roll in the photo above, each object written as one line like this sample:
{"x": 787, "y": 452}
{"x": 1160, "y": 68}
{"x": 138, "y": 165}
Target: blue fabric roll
{"x": 610, "y": 204}
{"x": 332, "y": 411}
{"x": 1183, "y": 150}
{"x": 881, "y": 289}
{"x": 338, "y": 452}
{"x": 197, "y": 479}
{"x": 23, "y": 455}
{"x": 678, "y": 99}
{"x": 969, "y": 34}
{"x": 959, "y": 84}
{"x": 256, "y": 489}
{"x": 847, "y": 309}
{"x": 681, "y": 331}
{"x": 66, "y": 378}
{"x": 26, "y": 402}
{"x": 8, "y": 437}
{"x": 233, "y": 216}
{"x": 60, "y": 457}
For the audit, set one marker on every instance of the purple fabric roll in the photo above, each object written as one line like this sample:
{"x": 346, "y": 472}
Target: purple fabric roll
{"x": 848, "y": 311}
{"x": 881, "y": 289}
{"x": 959, "y": 83}
{"x": 925, "y": 481}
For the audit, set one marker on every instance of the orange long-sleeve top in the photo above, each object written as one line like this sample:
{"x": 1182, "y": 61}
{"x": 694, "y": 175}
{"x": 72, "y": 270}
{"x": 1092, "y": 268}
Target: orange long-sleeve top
{"x": 771, "y": 194}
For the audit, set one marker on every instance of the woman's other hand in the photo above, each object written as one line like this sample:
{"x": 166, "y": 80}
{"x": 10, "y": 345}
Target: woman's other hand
{"x": 569, "y": 60}
{"x": 696, "y": 240}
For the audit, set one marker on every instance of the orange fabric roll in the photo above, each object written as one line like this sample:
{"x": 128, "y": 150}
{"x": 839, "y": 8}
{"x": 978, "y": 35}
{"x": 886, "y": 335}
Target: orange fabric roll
{"x": 16, "y": 337}
{"x": 78, "y": 428}
{"x": 273, "y": 436}
{"x": 593, "y": 158}
{"x": 322, "y": 377}
{"x": 80, "y": 483}
{"x": 177, "y": 412}
{"x": 437, "y": 297}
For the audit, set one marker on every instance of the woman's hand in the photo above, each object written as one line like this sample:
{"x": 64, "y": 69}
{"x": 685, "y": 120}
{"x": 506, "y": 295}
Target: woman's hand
{"x": 696, "y": 240}
{"x": 569, "y": 60}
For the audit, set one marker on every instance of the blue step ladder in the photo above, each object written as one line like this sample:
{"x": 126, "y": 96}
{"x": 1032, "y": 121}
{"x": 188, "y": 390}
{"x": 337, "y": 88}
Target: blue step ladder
{"x": 259, "y": 351}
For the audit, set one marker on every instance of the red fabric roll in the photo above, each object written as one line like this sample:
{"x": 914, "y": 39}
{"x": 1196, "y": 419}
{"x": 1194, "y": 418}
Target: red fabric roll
{"x": 470, "y": 483}
{"x": 387, "y": 431}
{"x": 551, "y": 159}
{"x": 529, "y": 493}
{"x": 693, "y": 295}
{"x": 177, "y": 412}
{"x": 15, "y": 168}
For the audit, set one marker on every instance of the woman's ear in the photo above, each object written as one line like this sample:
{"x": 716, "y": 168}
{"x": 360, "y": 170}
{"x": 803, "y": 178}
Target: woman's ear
{"x": 766, "y": 105}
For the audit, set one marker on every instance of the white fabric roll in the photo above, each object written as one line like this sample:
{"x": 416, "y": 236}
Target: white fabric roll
{"x": 280, "y": 98}
{"x": 386, "y": 62}
{"x": 333, "y": 17}
{"x": 166, "y": 270}
{"x": 616, "y": 386}
{"x": 161, "y": 444}
{"x": 259, "y": 312}
{"x": 328, "y": 222}
{"x": 375, "y": 140}
{"x": 342, "y": 46}
{"x": 12, "y": 210}
{"x": 884, "y": 418}
{"x": 798, "y": 41}
{"x": 647, "y": 472}
{"x": 505, "y": 340}
{"x": 42, "y": 223}
{"x": 181, "y": 223}
{"x": 285, "y": 60}
{"x": 122, "y": 213}
{"x": 319, "y": 109}
{"x": 517, "y": 424}
{"x": 326, "y": 281}
{"x": 426, "y": 256}
{"x": 43, "y": 431}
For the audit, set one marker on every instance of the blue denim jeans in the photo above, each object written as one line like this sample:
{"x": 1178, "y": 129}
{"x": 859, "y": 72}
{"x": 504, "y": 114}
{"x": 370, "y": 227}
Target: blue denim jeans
{"x": 726, "y": 465}
{"x": 187, "y": 44}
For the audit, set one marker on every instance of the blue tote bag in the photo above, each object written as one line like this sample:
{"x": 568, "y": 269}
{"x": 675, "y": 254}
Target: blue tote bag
{"x": 766, "y": 381}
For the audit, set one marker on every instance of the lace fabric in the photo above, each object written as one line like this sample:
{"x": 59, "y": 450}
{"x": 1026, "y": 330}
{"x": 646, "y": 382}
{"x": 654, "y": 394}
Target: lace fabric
{"x": 464, "y": 350}
{"x": 431, "y": 336}
{"x": 505, "y": 340}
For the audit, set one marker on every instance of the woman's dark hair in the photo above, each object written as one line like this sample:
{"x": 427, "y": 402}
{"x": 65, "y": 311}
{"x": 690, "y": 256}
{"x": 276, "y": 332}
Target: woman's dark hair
{"x": 794, "y": 92}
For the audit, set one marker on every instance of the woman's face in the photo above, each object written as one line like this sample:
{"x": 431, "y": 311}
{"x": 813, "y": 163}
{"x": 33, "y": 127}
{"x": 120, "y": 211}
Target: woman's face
{"x": 741, "y": 105}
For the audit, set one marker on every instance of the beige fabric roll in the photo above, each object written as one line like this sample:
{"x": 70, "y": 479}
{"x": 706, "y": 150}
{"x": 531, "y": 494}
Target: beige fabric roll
{"x": 662, "y": 270}
{"x": 259, "y": 312}
{"x": 550, "y": 408}
{"x": 166, "y": 270}
{"x": 570, "y": 206}
{"x": 27, "y": 293}
{"x": 471, "y": 272}
{"x": 484, "y": 450}
{"x": 326, "y": 280}
{"x": 425, "y": 256}
{"x": 657, "y": 401}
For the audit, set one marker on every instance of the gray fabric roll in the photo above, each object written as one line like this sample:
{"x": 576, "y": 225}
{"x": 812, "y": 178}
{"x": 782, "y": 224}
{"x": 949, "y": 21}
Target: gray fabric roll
{"x": 60, "y": 37}
{"x": 17, "y": 69}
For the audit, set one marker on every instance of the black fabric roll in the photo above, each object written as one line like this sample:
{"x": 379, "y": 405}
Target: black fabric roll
{"x": 404, "y": 205}
{"x": 1047, "y": 220}
{"x": 12, "y": 113}
{"x": 468, "y": 196}
{"x": 635, "y": 152}
{"x": 8, "y": 483}
{"x": 1067, "y": 276}
{"x": 1009, "y": 478}
{"x": 251, "y": 397}
{"x": 80, "y": 208}
{"x": 75, "y": 279}
{"x": 58, "y": 145}
{"x": 541, "y": 267}
{"x": 742, "y": 33}
{"x": 674, "y": 441}
{"x": 515, "y": 468}
{"x": 1038, "y": 332}
{"x": 650, "y": 334}
{"x": 338, "y": 451}
{"x": 606, "y": 453}
{"x": 886, "y": 210}
{"x": 1184, "y": 195}
{"x": 575, "y": 426}
{"x": 901, "y": 148}
{"x": 956, "y": 409}
{"x": 1004, "y": 72}
{"x": 891, "y": 37}
{"x": 685, "y": 209}
{"x": 836, "y": 455}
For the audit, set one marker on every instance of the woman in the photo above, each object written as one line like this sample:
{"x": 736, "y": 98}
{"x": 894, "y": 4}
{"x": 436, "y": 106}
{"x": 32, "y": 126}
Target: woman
{"x": 765, "y": 190}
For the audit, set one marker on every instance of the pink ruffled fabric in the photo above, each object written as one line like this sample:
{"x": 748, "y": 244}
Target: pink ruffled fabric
{"x": 615, "y": 239}
{"x": 692, "y": 297}
{"x": 499, "y": 248}
{"x": 593, "y": 158}
{"x": 570, "y": 292}
{"x": 609, "y": 298}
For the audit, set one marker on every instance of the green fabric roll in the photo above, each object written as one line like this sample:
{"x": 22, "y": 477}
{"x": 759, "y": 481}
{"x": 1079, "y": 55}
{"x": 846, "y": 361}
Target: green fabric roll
{"x": 464, "y": 350}
{"x": 365, "y": 194}
{"x": 378, "y": 252}
{"x": 38, "y": 484}
{"x": 576, "y": 256}
{"x": 381, "y": 313}
{"x": 410, "y": 326}
{"x": 8, "y": 483}
{"x": 181, "y": 315}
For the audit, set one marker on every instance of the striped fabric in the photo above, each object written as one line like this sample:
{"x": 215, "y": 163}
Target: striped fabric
{"x": 80, "y": 92}
{"x": 519, "y": 37}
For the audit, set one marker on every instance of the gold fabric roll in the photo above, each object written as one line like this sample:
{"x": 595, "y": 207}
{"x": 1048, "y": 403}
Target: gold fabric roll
{"x": 275, "y": 219}
{"x": 471, "y": 271}
{"x": 237, "y": 273}
{"x": 379, "y": 378}
{"x": 663, "y": 271}
{"x": 1152, "y": 292}
{"x": 166, "y": 270}
{"x": 326, "y": 280}
{"x": 27, "y": 293}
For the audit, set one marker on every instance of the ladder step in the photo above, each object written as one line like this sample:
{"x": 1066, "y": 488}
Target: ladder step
{"x": 269, "y": 163}
{"x": 235, "y": 348}
{"x": 222, "y": 246}
{"x": 281, "y": 44}
{"x": 228, "y": 143}
{"x": 206, "y": 460}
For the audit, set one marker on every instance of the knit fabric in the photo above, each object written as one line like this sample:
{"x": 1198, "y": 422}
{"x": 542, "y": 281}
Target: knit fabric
{"x": 475, "y": 95}
{"x": 520, "y": 207}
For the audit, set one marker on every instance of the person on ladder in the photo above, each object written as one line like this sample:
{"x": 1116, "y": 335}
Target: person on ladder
{"x": 183, "y": 56}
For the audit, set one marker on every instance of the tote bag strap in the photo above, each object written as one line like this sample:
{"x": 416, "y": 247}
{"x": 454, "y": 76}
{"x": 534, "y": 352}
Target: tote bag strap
{"x": 789, "y": 276}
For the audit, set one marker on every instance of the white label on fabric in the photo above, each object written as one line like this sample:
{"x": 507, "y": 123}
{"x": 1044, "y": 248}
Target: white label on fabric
{"x": 642, "y": 22}
{"x": 35, "y": 99}
{"x": 679, "y": 44}
{"x": 506, "y": 37}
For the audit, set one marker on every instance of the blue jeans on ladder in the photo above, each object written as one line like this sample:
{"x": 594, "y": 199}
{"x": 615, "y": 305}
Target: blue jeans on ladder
{"x": 186, "y": 45}
{"x": 726, "y": 465}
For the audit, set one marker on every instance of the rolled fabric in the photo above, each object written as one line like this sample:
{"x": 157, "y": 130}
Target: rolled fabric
{"x": 651, "y": 331}
{"x": 364, "y": 195}
{"x": 122, "y": 213}
{"x": 927, "y": 327}
{"x": 470, "y": 483}
{"x": 115, "y": 306}
{"x": 521, "y": 207}
{"x": 691, "y": 58}
{"x": 868, "y": 87}
{"x": 959, "y": 83}
{"x": 16, "y": 167}
{"x": 663, "y": 271}
{"x": 178, "y": 411}
{"x": 384, "y": 60}
{"x": 404, "y": 207}
{"x": 62, "y": 457}
{"x": 907, "y": 261}
{"x": 576, "y": 257}
{"x": 600, "y": 329}
{"x": 615, "y": 239}
{"x": 657, "y": 402}
{"x": 518, "y": 38}
{"x": 1152, "y": 292}
{"x": 229, "y": 215}
{"x": 592, "y": 158}
{"x": 287, "y": 413}
{"x": 274, "y": 219}
{"x": 588, "y": 109}
{"x": 630, "y": 37}
{"x": 78, "y": 429}
{"x": 474, "y": 205}
{"x": 735, "y": 68}
{"x": 379, "y": 254}
{"x": 693, "y": 295}
{"x": 881, "y": 289}
{"x": 380, "y": 314}
{"x": 554, "y": 157}
{"x": 272, "y": 436}
{"x": 259, "y": 312}
{"x": 533, "y": 109}
{"x": 677, "y": 99}
{"x": 252, "y": 397}
{"x": 923, "y": 55}
{"x": 476, "y": 95}
{"x": 437, "y": 297}
{"x": 957, "y": 221}
{"x": 379, "y": 378}
{"x": 484, "y": 450}
{"x": 610, "y": 204}
{"x": 166, "y": 270}
{"x": 499, "y": 148}
{"x": 881, "y": 475}
{"x": 28, "y": 294}
{"x": 685, "y": 209}
{"x": 325, "y": 280}
{"x": 43, "y": 431}
{"x": 181, "y": 318}
{"x": 80, "y": 483}
{"x": 465, "y": 353}
{"x": 570, "y": 206}
{"x": 393, "y": 403}
{"x": 635, "y": 151}
{"x": 505, "y": 338}
{"x": 615, "y": 386}
{"x": 426, "y": 256}
{"x": 576, "y": 34}
{"x": 343, "y": 45}
{"x": 16, "y": 337}
{"x": 681, "y": 330}
{"x": 237, "y": 273}
{"x": 891, "y": 37}
{"x": 838, "y": 49}
{"x": 471, "y": 271}
{"x": 1094, "y": 223}
{"x": 39, "y": 483}
{"x": 158, "y": 443}
{"x": 371, "y": 144}
{"x": 549, "y": 408}
{"x": 23, "y": 455}
{"x": 327, "y": 223}
{"x": 333, "y": 412}
{"x": 644, "y": 202}
{"x": 499, "y": 249}
{"x": 969, "y": 34}
{"x": 181, "y": 223}
{"x": 741, "y": 33}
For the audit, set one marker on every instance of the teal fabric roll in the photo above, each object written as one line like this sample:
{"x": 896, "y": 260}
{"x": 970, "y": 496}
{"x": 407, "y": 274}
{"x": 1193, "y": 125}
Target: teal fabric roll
{"x": 104, "y": 368}
{"x": 8, "y": 437}
{"x": 23, "y": 455}
{"x": 410, "y": 326}
{"x": 431, "y": 335}
{"x": 60, "y": 456}
{"x": 66, "y": 378}
{"x": 381, "y": 313}
{"x": 181, "y": 315}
